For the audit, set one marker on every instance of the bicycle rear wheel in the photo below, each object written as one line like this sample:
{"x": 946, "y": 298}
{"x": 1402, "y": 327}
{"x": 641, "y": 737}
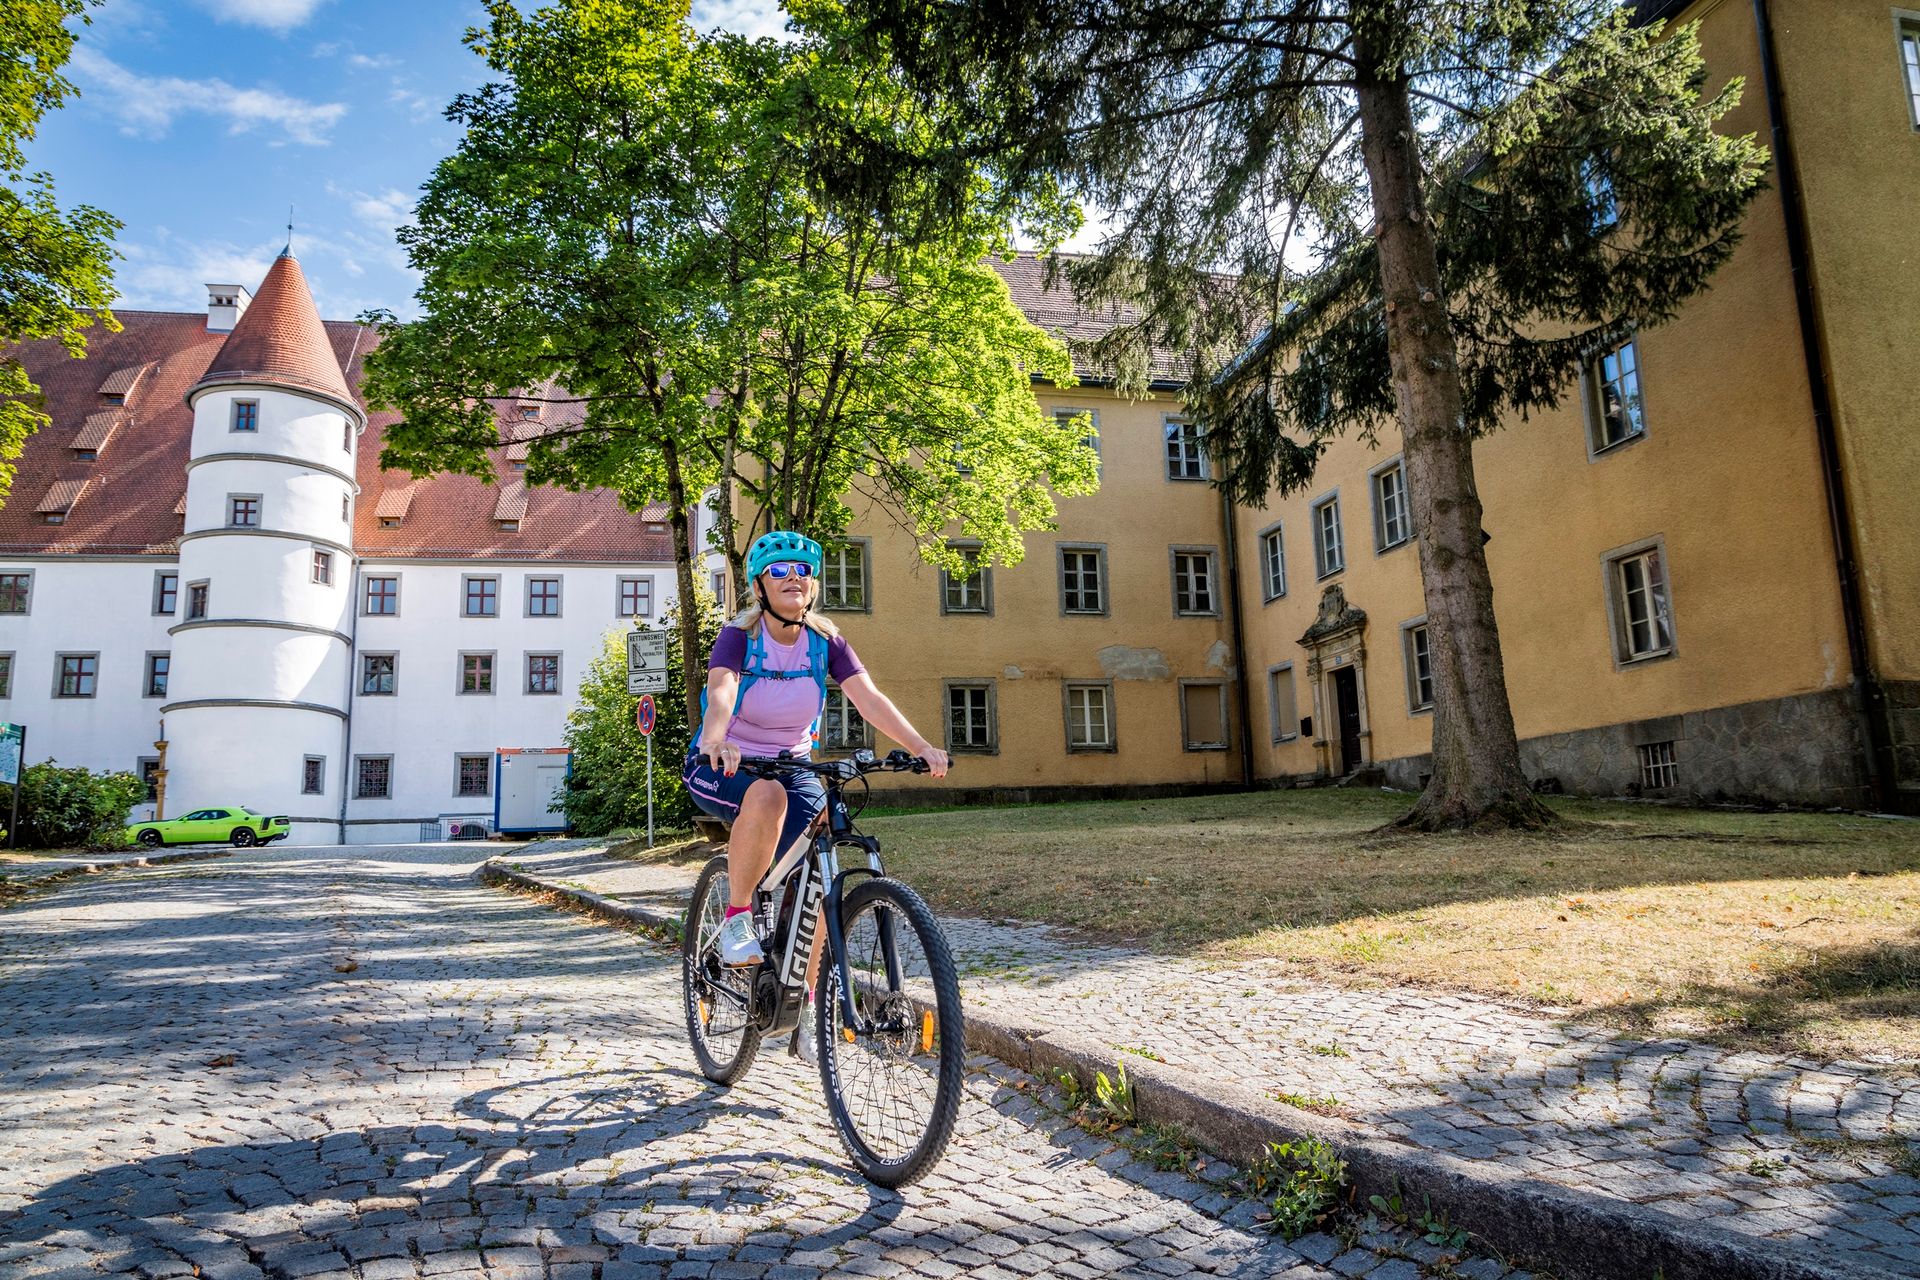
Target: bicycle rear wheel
{"x": 719, "y": 999}
{"x": 893, "y": 1092}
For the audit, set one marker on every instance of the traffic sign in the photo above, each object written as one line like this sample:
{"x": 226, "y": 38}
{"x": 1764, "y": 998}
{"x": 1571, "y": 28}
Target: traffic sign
{"x": 12, "y": 736}
{"x": 646, "y": 661}
{"x": 643, "y": 714}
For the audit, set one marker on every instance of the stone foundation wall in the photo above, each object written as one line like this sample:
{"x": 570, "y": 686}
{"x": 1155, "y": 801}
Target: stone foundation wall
{"x": 1903, "y": 717}
{"x": 1803, "y": 750}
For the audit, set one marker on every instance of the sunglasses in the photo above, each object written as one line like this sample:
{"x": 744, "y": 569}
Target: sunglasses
{"x": 793, "y": 569}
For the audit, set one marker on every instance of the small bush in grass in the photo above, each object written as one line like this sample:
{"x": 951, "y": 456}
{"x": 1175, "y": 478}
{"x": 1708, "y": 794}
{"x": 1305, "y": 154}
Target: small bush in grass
{"x": 72, "y": 808}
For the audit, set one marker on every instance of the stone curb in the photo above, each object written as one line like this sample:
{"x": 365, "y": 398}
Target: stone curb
{"x": 1553, "y": 1228}
{"x": 113, "y": 864}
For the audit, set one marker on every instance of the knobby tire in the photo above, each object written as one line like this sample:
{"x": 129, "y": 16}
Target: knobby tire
{"x": 722, "y": 1059}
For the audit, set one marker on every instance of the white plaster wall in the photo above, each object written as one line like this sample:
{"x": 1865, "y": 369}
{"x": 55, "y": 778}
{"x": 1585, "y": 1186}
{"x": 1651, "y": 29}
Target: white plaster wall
{"x": 291, "y": 425}
{"x": 259, "y": 662}
{"x": 293, "y": 499}
{"x": 265, "y": 577}
{"x": 84, "y": 606}
{"x": 254, "y": 756}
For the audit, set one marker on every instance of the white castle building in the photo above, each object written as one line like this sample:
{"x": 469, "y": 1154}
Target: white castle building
{"x": 202, "y": 551}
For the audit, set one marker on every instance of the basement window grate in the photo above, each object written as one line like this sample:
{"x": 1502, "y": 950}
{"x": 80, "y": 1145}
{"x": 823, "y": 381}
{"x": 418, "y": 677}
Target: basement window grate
{"x": 1657, "y": 766}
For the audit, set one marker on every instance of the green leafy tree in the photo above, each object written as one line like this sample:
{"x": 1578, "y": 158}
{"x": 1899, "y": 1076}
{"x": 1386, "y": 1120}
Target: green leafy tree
{"x": 56, "y": 268}
{"x": 71, "y": 808}
{"x": 608, "y": 786}
{"x": 1492, "y": 188}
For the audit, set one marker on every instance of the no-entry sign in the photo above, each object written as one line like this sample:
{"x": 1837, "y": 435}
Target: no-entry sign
{"x": 643, "y": 715}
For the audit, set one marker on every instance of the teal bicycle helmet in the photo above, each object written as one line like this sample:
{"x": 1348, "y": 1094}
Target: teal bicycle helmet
{"x": 782, "y": 545}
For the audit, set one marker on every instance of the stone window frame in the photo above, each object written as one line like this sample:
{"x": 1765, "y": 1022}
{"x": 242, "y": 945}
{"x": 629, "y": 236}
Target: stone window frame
{"x": 982, "y": 577}
{"x": 841, "y": 546}
{"x": 1226, "y": 716}
{"x": 1906, "y": 45}
{"x": 393, "y": 674}
{"x": 151, "y": 795}
{"x": 1212, "y": 556}
{"x": 60, "y": 661}
{"x": 1173, "y": 447}
{"x": 259, "y": 510}
{"x": 147, "y": 673}
{"x": 1376, "y": 492}
{"x": 236, "y": 418}
{"x": 1592, "y": 391}
{"x": 1278, "y": 533}
{"x": 26, "y": 586}
{"x": 366, "y": 595}
{"x": 1614, "y": 596}
{"x": 620, "y": 585}
{"x": 843, "y": 743}
{"x": 526, "y": 666}
{"x": 1409, "y": 662}
{"x": 322, "y": 567}
{"x": 8, "y": 659}
{"x": 360, "y": 764}
{"x": 1112, "y": 745}
{"x": 991, "y": 686}
{"x": 460, "y": 759}
{"x": 1102, "y": 583}
{"x": 316, "y": 768}
{"x": 1323, "y": 564}
{"x": 160, "y": 591}
{"x": 205, "y": 587}
{"x": 719, "y": 585}
{"x": 559, "y": 596}
{"x": 493, "y": 673}
{"x": 1276, "y": 734}
{"x": 466, "y": 593}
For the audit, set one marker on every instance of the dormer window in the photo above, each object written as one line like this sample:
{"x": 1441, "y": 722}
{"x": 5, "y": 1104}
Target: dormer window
{"x": 529, "y": 412}
{"x": 53, "y": 517}
{"x": 519, "y": 464}
{"x": 389, "y": 522}
{"x": 109, "y": 399}
{"x": 508, "y": 526}
{"x": 85, "y": 455}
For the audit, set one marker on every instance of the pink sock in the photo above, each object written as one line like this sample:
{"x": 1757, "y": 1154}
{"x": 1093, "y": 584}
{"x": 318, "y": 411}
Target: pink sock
{"x": 735, "y": 911}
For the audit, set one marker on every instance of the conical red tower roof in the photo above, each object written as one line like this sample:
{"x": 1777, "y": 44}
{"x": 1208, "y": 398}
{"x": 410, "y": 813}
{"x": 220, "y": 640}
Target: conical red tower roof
{"x": 280, "y": 339}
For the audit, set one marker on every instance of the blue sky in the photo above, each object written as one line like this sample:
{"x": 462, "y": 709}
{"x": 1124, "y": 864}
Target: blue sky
{"x": 200, "y": 121}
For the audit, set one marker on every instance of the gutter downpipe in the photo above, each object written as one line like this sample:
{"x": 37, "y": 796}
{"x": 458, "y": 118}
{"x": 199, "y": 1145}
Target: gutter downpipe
{"x": 346, "y": 730}
{"x": 1870, "y": 699}
{"x": 1244, "y": 697}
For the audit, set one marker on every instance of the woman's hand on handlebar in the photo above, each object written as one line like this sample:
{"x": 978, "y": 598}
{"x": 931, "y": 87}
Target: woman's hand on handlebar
{"x": 722, "y": 755}
{"x": 937, "y": 760}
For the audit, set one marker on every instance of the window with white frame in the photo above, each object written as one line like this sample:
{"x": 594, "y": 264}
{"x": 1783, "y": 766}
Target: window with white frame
{"x": 1614, "y": 399}
{"x": 1186, "y": 451}
{"x": 970, "y": 727}
{"x": 971, "y": 592}
{"x": 1642, "y": 608}
{"x": 1417, "y": 651}
{"x": 1910, "y": 65}
{"x": 635, "y": 598}
{"x": 1659, "y": 767}
{"x": 1273, "y": 564}
{"x": 1203, "y": 715}
{"x": 323, "y": 568}
{"x": 1089, "y": 717}
{"x": 1193, "y": 583}
{"x": 373, "y": 777}
{"x": 1283, "y": 713}
{"x": 473, "y": 776}
{"x": 379, "y": 673}
{"x": 1329, "y": 550}
{"x": 1083, "y": 587}
{"x": 843, "y": 576}
{"x": 1392, "y": 521}
{"x": 842, "y": 728}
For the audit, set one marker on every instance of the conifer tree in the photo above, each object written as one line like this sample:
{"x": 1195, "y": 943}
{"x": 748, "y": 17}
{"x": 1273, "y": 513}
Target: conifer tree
{"x": 1347, "y": 212}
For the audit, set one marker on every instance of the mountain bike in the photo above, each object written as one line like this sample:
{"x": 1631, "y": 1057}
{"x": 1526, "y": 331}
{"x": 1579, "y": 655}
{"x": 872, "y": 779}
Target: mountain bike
{"x": 887, "y": 1023}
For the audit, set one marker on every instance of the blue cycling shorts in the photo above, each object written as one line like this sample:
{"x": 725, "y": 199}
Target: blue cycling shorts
{"x": 719, "y": 795}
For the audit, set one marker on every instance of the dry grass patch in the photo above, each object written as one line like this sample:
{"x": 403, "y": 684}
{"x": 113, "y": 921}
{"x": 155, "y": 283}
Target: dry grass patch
{"x": 1793, "y": 931}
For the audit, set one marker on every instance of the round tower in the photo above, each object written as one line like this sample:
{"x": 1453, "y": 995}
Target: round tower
{"x": 259, "y": 690}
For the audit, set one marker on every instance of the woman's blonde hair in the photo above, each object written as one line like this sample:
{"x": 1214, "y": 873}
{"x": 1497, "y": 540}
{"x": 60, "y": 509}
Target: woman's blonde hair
{"x": 749, "y": 617}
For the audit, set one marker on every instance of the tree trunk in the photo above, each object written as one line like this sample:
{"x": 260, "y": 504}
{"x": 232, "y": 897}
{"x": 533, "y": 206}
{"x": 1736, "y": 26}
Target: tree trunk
{"x": 692, "y": 661}
{"x": 1477, "y": 778}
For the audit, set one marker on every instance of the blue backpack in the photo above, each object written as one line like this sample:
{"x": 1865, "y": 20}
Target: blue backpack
{"x": 818, "y": 649}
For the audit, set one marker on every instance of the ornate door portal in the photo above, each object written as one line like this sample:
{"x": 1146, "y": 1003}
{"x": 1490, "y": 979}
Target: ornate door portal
{"x": 1336, "y": 672}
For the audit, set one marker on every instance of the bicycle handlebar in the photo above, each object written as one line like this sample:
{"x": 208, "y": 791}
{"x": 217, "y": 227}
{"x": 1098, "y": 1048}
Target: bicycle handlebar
{"x": 861, "y": 762}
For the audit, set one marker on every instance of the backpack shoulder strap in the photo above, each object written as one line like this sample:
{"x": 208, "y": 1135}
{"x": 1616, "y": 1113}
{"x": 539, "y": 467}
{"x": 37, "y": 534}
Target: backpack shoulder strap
{"x": 819, "y": 650}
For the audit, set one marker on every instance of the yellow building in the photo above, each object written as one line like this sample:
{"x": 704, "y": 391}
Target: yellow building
{"x": 1706, "y": 567}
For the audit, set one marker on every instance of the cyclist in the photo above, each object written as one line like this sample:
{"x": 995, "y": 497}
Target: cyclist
{"x": 766, "y": 685}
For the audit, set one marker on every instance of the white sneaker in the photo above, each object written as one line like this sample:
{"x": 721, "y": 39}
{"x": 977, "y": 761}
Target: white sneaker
{"x": 803, "y": 1046}
{"x": 738, "y": 945}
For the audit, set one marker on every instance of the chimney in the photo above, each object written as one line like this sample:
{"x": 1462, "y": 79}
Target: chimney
{"x": 226, "y": 303}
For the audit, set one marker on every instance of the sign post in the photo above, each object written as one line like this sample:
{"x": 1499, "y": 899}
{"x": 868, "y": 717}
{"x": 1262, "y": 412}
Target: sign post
{"x": 13, "y": 753}
{"x": 643, "y": 718}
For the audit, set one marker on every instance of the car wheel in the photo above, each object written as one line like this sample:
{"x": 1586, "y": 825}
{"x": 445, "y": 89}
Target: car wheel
{"x": 151, "y": 838}
{"x": 243, "y": 838}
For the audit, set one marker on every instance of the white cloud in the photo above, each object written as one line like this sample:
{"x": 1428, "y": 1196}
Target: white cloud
{"x": 418, "y": 105}
{"x": 274, "y": 15}
{"x": 378, "y": 62}
{"x": 349, "y": 272}
{"x": 148, "y": 105}
{"x": 383, "y": 210}
{"x": 750, "y": 18}
{"x": 169, "y": 275}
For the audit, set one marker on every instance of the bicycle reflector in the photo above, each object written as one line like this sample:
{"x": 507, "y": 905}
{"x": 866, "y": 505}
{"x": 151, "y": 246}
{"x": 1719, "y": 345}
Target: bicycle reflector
{"x": 926, "y": 1031}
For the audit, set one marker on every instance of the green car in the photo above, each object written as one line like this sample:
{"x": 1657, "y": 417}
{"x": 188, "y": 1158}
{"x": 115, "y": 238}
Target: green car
{"x": 237, "y": 825}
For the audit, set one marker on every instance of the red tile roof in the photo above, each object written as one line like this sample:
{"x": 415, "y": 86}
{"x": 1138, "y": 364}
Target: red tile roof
{"x": 280, "y": 339}
{"x": 122, "y": 382}
{"x": 98, "y": 429}
{"x": 61, "y": 496}
{"x": 1052, "y": 308}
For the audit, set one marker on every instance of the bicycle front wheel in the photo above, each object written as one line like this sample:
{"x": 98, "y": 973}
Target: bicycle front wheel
{"x": 893, "y": 1084}
{"x": 718, "y": 999}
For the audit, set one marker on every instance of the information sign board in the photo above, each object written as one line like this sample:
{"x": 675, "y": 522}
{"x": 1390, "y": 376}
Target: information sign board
{"x": 646, "y": 662}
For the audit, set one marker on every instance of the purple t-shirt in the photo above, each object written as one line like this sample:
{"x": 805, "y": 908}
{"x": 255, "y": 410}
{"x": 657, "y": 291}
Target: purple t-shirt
{"x": 776, "y": 715}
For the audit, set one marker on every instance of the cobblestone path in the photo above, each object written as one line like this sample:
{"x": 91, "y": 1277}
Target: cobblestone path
{"x": 1771, "y": 1146}
{"x": 358, "y": 1064}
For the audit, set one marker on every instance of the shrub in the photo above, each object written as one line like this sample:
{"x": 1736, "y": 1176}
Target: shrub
{"x": 72, "y": 808}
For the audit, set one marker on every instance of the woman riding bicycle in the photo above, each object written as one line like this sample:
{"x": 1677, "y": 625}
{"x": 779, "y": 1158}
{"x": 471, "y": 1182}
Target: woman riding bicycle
{"x": 766, "y": 682}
